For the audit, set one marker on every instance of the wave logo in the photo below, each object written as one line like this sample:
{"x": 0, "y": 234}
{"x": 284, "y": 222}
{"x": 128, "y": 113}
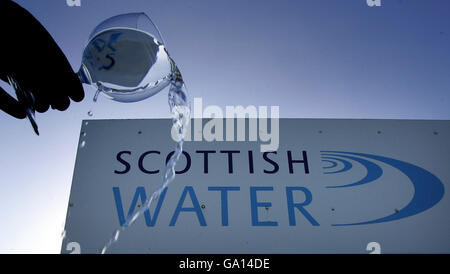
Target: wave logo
{"x": 428, "y": 189}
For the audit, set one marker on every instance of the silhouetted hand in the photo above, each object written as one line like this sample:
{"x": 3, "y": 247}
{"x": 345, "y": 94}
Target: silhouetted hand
{"x": 30, "y": 56}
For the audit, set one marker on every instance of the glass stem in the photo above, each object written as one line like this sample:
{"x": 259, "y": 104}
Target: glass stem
{"x": 26, "y": 98}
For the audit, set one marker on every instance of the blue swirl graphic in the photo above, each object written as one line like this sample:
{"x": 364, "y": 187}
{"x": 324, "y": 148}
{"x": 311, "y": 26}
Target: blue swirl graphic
{"x": 333, "y": 164}
{"x": 347, "y": 165}
{"x": 428, "y": 189}
{"x": 373, "y": 171}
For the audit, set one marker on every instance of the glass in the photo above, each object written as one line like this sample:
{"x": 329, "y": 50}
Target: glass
{"x": 126, "y": 60}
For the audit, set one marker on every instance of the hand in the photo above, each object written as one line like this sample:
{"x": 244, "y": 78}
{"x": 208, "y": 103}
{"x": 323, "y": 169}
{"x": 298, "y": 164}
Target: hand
{"x": 30, "y": 56}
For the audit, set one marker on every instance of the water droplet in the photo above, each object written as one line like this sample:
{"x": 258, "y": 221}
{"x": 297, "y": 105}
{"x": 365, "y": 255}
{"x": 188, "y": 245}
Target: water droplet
{"x": 90, "y": 113}
{"x": 83, "y": 144}
{"x": 83, "y": 134}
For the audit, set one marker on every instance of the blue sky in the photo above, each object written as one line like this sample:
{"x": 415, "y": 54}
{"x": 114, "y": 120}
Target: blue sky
{"x": 312, "y": 58}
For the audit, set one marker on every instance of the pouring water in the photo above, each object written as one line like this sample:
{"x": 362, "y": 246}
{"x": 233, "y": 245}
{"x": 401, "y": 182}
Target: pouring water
{"x": 126, "y": 60}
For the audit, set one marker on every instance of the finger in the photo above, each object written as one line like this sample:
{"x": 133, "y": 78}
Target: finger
{"x": 62, "y": 104}
{"x": 41, "y": 99}
{"x": 68, "y": 85}
{"x": 65, "y": 83}
{"x": 41, "y": 108}
{"x": 40, "y": 105}
{"x": 11, "y": 106}
{"x": 76, "y": 91}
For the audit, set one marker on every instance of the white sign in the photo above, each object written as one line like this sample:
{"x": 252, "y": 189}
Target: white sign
{"x": 333, "y": 186}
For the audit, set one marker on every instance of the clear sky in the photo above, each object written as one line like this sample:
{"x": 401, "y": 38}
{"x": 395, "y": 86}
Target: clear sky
{"x": 312, "y": 58}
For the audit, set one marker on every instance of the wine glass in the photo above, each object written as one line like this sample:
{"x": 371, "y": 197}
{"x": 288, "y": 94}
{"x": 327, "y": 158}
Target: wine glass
{"x": 125, "y": 59}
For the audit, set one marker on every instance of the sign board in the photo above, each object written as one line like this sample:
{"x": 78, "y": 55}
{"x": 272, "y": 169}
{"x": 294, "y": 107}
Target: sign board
{"x": 333, "y": 186}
